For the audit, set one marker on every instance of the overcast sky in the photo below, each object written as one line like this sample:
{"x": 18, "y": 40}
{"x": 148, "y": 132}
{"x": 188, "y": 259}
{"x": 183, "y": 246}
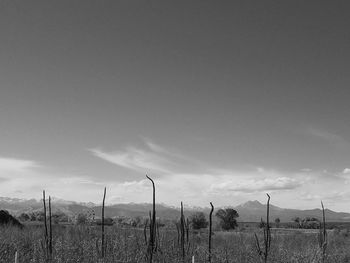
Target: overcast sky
{"x": 218, "y": 101}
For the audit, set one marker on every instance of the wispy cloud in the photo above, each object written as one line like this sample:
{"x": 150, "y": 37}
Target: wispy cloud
{"x": 16, "y": 165}
{"x": 155, "y": 147}
{"x": 257, "y": 185}
{"x": 325, "y": 135}
{"x": 136, "y": 159}
{"x": 149, "y": 158}
{"x": 333, "y": 196}
{"x": 310, "y": 197}
{"x": 306, "y": 170}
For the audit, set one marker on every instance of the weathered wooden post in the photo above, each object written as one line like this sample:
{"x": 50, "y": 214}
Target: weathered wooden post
{"x": 103, "y": 224}
{"x": 210, "y": 229}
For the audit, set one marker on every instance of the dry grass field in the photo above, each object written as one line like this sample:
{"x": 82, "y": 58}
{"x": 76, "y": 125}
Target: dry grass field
{"x": 73, "y": 243}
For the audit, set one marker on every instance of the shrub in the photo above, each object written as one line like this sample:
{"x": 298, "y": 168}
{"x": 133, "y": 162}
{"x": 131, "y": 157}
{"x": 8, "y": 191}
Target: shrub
{"x": 198, "y": 220}
{"x": 227, "y": 218}
{"x": 24, "y": 217}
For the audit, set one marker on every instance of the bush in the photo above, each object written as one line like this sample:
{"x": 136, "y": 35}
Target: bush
{"x": 198, "y": 220}
{"x": 227, "y": 218}
{"x": 24, "y": 217}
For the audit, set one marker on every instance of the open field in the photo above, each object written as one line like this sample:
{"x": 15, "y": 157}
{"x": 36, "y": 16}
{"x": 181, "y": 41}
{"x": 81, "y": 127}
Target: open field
{"x": 83, "y": 244}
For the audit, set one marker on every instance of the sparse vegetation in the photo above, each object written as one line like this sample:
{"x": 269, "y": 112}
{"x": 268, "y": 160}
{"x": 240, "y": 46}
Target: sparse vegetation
{"x": 307, "y": 222}
{"x": 78, "y": 244}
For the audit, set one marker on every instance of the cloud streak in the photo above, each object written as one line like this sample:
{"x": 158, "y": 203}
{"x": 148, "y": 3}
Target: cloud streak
{"x": 333, "y": 196}
{"x": 16, "y": 165}
{"x": 136, "y": 159}
{"x": 325, "y": 135}
{"x": 151, "y": 158}
{"x": 257, "y": 185}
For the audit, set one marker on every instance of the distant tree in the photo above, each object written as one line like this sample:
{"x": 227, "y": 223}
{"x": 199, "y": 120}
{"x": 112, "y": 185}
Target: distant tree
{"x": 120, "y": 220}
{"x": 307, "y": 222}
{"x": 227, "y": 218}
{"x": 24, "y": 217}
{"x": 40, "y": 216}
{"x": 277, "y": 221}
{"x": 198, "y": 220}
{"x": 81, "y": 219}
{"x": 299, "y": 221}
{"x": 32, "y": 216}
{"x": 108, "y": 221}
{"x": 90, "y": 217}
{"x": 310, "y": 223}
{"x": 59, "y": 217}
{"x": 137, "y": 221}
{"x": 7, "y": 219}
{"x": 160, "y": 223}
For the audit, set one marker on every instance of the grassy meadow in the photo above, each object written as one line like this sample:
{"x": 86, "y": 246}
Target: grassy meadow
{"x": 72, "y": 243}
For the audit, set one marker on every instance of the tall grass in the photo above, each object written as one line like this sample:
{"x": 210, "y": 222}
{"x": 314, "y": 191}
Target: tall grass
{"x": 78, "y": 244}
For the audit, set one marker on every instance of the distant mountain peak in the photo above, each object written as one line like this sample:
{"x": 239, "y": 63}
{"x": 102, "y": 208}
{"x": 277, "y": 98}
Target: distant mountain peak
{"x": 252, "y": 204}
{"x": 256, "y": 205}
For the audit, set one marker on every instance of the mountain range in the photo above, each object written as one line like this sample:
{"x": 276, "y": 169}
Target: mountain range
{"x": 251, "y": 211}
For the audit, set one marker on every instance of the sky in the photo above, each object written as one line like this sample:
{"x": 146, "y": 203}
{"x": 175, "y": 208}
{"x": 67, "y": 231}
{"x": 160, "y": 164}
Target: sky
{"x": 217, "y": 101}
